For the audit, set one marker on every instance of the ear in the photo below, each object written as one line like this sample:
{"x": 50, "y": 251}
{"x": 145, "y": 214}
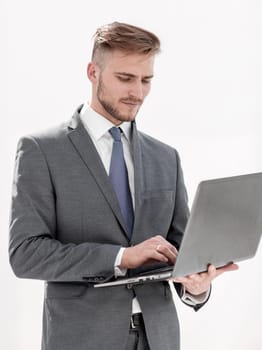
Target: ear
{"x": 92, "y": 72}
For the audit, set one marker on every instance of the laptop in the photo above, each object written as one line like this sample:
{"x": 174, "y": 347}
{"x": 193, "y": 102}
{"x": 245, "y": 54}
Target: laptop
{"x": 224, "y": 226}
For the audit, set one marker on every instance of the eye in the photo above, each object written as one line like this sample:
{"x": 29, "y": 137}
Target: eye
{"x": 124, "y": 79}
{"x": 146, "y": 81}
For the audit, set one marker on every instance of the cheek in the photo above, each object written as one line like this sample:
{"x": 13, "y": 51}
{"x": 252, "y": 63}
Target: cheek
{"x": 112, "y": 91}
{"x": 119, "y": 91}
{"x": 146, "y": 90}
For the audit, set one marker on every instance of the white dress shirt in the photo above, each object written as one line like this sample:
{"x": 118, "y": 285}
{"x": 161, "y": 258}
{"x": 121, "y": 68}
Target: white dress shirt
{"x": 97, "y": 127}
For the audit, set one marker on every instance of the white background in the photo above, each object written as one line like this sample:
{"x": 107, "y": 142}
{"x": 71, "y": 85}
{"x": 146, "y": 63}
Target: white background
{"x": 206, "y": 101}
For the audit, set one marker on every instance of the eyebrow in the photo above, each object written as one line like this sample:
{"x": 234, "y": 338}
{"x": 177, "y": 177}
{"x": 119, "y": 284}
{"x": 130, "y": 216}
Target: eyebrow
{"x": 129, "y": 75}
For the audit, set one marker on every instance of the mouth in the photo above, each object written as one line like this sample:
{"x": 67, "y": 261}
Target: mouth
{"x": 132, "y": 103}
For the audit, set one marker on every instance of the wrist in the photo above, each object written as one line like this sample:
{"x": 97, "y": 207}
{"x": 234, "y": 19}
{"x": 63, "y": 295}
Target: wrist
{"x": 190, "y": 298}
{"x": 118, "y": 270}
{"x": 124, "y": 259}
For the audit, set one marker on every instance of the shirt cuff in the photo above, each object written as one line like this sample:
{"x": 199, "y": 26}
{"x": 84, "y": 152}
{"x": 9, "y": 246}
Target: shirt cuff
{"x": 194, "y": 300}
{"x": 118, "y": 271}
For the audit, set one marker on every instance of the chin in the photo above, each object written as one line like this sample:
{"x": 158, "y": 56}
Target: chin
{"x": 130, "y": 118}
{"x": 125, "y": 118}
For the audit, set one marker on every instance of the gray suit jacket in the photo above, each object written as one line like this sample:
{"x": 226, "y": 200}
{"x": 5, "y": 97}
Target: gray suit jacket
{"x": 66, "y": 228}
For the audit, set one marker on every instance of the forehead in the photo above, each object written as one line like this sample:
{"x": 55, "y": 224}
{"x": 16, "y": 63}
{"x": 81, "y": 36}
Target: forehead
{"x": 136, "y": 64}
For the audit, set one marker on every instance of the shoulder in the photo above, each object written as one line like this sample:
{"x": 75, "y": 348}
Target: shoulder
{"x": 56, "y": 133}
{"x": 47, "y": 137}
{"x": 53, "y": 133}
{"x": 44, "y": 145}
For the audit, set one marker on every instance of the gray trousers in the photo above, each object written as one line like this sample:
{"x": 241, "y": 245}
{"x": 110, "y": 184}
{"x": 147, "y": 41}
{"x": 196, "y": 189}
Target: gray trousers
{"x": 137, "y": 339}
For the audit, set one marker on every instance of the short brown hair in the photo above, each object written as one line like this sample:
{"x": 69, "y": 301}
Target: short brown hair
{"x": 125, "y": 37}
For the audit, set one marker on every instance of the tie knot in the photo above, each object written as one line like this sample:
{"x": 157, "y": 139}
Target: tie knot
{"x": 116, "y": 133}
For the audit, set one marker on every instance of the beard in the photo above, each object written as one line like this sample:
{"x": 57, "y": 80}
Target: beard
{"x": 113, "y": 110}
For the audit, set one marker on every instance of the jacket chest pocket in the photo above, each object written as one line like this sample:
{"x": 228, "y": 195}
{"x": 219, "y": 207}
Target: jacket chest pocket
{"x": 156, "y": 211}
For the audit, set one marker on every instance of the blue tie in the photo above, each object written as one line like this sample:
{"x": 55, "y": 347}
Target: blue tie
{"x": 119, "y": 178}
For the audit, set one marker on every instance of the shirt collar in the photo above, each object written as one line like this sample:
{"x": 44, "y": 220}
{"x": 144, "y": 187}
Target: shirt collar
{"x": 98, "y": 126}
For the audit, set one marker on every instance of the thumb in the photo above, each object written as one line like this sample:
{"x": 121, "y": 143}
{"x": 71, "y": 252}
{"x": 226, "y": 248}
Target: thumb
{"x": 212, "y": 272}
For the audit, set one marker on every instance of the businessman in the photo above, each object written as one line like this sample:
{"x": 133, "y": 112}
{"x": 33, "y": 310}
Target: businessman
{"x": 95, "y": 199}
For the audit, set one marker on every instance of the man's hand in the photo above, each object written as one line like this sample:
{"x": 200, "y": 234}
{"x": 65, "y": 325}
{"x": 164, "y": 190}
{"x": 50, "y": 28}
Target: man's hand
{"x": 155, "y": 249}
{"x": 199, "y": 283}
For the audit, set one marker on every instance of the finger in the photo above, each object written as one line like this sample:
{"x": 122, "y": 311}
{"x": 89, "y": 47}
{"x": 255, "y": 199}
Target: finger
{"x": 162, "y": 241}
{"x": 167, "y": 252}
{"x": 195, "y": 277}
{"x": 183, "y": 280}
{"x": 158, "y": 256}
{"x": 227, "y": 268}
{"x": 212, "y": 272}
{"x": 164, "y": 248}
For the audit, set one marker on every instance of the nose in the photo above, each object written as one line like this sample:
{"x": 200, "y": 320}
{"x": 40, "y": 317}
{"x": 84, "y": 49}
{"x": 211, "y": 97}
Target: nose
{"x": 137, "y": 91}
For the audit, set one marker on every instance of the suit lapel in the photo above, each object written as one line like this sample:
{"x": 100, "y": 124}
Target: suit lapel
{"x": 138, "y": 168}
{"x": 89, "y": 155}
{"x": 139, "y": 183}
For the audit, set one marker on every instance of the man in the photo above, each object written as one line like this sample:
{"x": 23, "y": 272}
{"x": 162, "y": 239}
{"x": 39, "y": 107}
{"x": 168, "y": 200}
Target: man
{"x": 92, "y": 202}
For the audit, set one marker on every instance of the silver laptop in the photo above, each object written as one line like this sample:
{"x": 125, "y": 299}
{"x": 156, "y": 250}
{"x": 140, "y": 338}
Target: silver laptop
{"x": 225, "y": 226}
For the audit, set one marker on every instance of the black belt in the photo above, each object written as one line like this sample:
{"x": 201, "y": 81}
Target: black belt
{"x": 136, "y": 321}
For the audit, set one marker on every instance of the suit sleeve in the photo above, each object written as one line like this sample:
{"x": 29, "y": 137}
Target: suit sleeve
{"x": 180, "y": 218}
{"x": 33, "y": 248}
{"x": 181, "y": 210}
